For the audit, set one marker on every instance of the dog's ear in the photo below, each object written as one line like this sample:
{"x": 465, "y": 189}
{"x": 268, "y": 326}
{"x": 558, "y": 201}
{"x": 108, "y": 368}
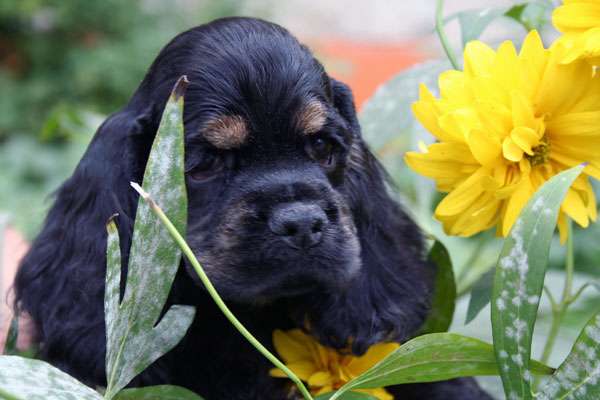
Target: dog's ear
{"x": 389, "y": 299}
{"x": 60, "y": 282}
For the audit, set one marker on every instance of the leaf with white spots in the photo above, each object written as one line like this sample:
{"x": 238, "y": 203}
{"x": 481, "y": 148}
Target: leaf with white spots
{"x": 444, "y": 293}
{"x": 27, "y": 379}
{"x": 347, "y": 396}
{"x": 519, "y": 281}
{"x": 134, "y": 340}
{"x": 430, "y": 358}
{"x": 160, "y": 392}
{"x": 578, "y": 377}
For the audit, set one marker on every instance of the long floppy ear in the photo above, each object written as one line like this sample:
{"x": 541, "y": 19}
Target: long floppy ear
{"x": 389, "y": 299}
{"x": 60, "y": 282}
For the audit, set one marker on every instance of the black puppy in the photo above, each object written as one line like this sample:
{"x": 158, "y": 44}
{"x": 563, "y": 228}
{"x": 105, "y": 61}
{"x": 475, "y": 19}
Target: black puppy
{"x": 288, "y": 212}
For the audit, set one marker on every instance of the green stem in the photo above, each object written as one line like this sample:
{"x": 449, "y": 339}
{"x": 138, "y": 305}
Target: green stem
{"x": 559, "y": 310}
{"x": 216, "y": 297}
{"x": 439, "y": 27}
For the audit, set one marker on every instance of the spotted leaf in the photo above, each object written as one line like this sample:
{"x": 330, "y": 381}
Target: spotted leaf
{"x": 578, "y": 377}
{"x": 27, "y": 379}
{"x": 134, "y": 340}
{"x": 519, "y": 280}
{"x": 430, "y": 358}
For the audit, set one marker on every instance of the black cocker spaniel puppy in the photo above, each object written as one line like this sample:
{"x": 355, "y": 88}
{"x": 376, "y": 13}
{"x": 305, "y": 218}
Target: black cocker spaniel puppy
{"x": 288, "y": 212}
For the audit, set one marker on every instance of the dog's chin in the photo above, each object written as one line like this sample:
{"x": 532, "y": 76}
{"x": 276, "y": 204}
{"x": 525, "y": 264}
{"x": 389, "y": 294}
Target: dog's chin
{"x": 238, "y": 286}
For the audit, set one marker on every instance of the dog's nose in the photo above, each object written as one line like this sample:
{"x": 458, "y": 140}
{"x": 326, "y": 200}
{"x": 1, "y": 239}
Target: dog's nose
{"x": 299, "y": 224}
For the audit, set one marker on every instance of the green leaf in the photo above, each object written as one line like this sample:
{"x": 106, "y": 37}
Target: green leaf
{"x": 430, "y": 358}
{"x": 347, "y": 396}
{"x": 474, "y": 22}
{"x": 578, "y": 377}
{"x": 27, "y": 379}
{"x": 531, "y": 15}
{"x": 153, "y": 261}
{"x": 390, "y": 129}
{"x": 480, "y": 295}
{"x": 10, "y": 347}
{"x": 444, "y": 294}
{"x": 160, "y": 392}
{"x": 519, "y": 280}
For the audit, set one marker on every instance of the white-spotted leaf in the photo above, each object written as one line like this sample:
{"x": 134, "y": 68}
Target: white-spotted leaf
{"x": 578, "y": 377}
{"x": 430, "y": 358}
{"x": 134, "y": 341}
{"x": 27, "y": 379}
{"x": 160, "y": 392}
{"x": 519, "y": 280}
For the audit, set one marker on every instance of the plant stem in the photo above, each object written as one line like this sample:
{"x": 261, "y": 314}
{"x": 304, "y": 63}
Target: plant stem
{"x": 215, "y": 296}
{"x": 559, "y": 310}
{"x": 439, "y": 27}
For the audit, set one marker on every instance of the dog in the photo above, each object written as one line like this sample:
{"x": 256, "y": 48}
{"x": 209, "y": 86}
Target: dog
{"x": 289, "y": 213}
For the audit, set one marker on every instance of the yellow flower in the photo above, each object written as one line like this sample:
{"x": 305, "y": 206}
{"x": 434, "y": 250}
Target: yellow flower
{"x": 323, "y": 368}
{"x": 504, "y": 126}
{"x": 579, "y": 21}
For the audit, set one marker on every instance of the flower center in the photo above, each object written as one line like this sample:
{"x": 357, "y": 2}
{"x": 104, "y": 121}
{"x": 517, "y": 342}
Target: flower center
{"x": 541, "y": 152}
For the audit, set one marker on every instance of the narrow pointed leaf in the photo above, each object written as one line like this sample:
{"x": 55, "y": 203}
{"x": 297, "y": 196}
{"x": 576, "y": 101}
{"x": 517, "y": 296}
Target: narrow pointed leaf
{"x": 10, "y": 347}
{"x": 153, "y": 262}
{"x": 578, "y": 377}
{"x": 474, "y": 22}
{"x": 160, "y": 392}
{"x": 430, "y": 358}
{"x": 519, "y": 280}
{"x": 26, "y": 379}
{"x": 480, "y": 295}
{"x": 444, "y": 295}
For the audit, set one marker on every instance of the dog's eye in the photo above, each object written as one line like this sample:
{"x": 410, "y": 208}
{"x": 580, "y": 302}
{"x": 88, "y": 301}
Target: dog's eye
{"x": 322, "y": 151}
{"x": 207, "y": 168}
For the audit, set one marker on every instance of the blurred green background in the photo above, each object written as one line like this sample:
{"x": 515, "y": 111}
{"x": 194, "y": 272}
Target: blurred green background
{"x": 64, "y": 65}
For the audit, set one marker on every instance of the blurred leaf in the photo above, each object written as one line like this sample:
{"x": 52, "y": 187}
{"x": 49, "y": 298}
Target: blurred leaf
{"x": 347, "y": 396}
{"x": 153, "y": 261}
{"x": 444, "y": 293}
{"x": 578, "y": 377}
{"x": 161, "y": 392}
{"x": 531, "y": 15}
{"x": 26, "y": 379}
{"x": 10, "y": 347}
{"x": 474, "y": 22}
{"x": 431, "y": 358}
{"x": 390, "y": 129}
{"x": 480, "y": 295}
{"x": 519, "y": 280}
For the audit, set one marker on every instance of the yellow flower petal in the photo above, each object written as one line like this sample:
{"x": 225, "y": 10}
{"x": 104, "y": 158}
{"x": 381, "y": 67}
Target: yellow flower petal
{"x": 463, "y": 196}
{"x": 374, "y": 354}
{"x": 478, "y": 58}
{"x": 515, "y": 204}
{"x": 485, "y": 148}
{"x": 290, "y": 346}
{"x": 525, "y": 138}
{"x": 575, "y": 208}
{"x": 303, "y": 369}
{"x": 320, "y": 378}
{"x": 511, "y": 150}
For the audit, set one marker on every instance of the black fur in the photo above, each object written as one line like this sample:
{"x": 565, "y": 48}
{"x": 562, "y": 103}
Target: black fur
{"x": 365, "y": 281}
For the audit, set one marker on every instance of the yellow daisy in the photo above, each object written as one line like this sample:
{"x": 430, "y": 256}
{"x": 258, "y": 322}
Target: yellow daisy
{"x": 504, "y": 126}
{"x": 579, "y": 21}
{"x": 323, "y": 368}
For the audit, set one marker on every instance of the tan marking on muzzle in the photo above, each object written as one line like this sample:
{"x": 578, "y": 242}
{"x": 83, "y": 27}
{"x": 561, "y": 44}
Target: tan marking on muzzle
{"x": 226, "y": 132}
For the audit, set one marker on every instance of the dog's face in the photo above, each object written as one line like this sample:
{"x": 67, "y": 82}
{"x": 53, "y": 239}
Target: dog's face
{"x": 266, "y": 154}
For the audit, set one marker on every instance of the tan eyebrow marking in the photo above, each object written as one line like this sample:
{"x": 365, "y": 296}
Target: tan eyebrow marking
{"x": 311, "y": 118}
{"x": 225, "y": 132}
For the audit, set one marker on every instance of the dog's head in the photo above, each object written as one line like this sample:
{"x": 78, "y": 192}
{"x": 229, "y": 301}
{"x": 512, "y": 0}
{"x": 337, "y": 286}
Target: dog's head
{"x": 269, "y": 136}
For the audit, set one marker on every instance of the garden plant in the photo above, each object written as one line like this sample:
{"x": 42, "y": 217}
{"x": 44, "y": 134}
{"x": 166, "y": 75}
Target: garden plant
{"x": 516, "y": 139}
